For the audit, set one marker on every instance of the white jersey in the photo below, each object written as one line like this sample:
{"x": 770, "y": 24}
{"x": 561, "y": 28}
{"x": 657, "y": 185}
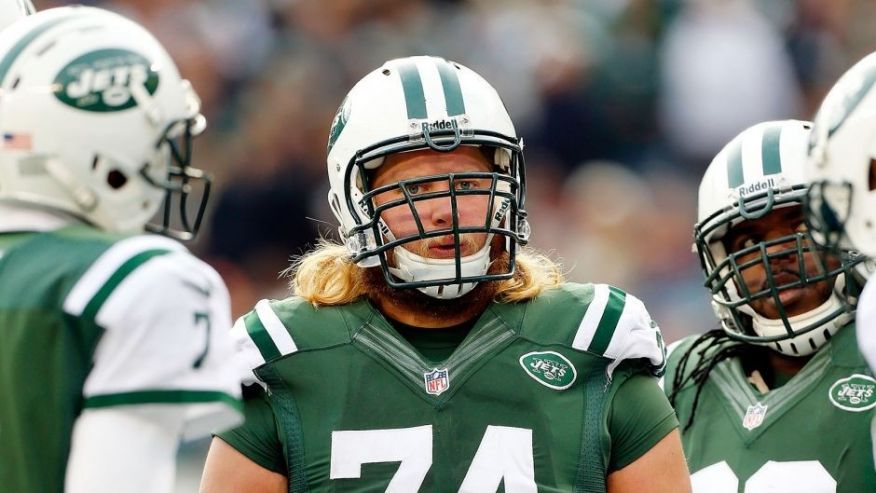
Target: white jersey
{"x": 106, "y": 337}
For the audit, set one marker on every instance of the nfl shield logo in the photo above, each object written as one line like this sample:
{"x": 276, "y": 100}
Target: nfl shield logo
{"x": 437, "y": 381}
{"x": 754, "y": 416}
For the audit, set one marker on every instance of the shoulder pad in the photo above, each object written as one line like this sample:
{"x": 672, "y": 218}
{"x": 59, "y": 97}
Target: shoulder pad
{"x": 111, "y": 268}
{"x": 617, "y": 325}
{"x": 274, "y": 329}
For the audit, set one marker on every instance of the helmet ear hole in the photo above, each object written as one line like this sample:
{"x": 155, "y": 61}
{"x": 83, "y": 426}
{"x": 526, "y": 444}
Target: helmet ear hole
{"x": 116, "y": 179}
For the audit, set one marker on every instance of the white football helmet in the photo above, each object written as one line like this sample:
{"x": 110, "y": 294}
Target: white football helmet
{"x": 13, "y": 10}
{"x": 842, "y": 162}
{"x": 96, "y": 121}
{"x": 760, "y": 170}
{"x": 424, "y": 103}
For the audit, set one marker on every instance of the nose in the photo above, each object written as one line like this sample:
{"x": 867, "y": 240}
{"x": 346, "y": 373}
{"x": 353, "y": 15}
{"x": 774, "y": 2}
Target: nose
{"x": 440, "y": 212}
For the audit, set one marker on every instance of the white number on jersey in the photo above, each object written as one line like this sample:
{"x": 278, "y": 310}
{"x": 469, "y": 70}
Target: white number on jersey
{"x": 804, "y": 476}
{"x": 505, "y": 453}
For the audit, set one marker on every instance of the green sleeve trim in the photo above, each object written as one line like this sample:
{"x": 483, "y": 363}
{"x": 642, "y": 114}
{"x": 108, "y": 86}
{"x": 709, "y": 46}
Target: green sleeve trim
{"x": 260, "y": 336}
{"x": 97, "y": 301}
{"x": 608, "y": 322}
{"x": 162, "y": 397}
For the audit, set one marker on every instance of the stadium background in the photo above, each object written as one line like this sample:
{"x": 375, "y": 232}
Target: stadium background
{"x": 622, "y": 104}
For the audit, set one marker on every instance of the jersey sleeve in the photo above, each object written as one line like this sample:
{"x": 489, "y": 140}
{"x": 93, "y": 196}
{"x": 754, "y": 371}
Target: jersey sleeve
{"x": 866, "y": 323}
{"x": 259, "y": 337}
{"x": 618, "y": 326}
{"x": 165, "y": 320}
{"x": 639, "y": 417}
{"x": 258, "y": 438}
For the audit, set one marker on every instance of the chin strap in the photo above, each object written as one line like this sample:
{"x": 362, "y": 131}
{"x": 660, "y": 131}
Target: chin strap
{"x": 829, "y": 318}
{"x": 414, "y": 268}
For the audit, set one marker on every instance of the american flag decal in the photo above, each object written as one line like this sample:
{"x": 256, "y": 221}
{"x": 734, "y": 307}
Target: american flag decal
{"x": 437, "y": 381}
{"x": 18, "y": 141}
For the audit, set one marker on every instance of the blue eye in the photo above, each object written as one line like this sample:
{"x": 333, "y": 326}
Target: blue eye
{"x": 414, "y": 188}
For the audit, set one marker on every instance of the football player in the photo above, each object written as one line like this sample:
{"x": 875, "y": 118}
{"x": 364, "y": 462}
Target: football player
{"x": 842, "y": 205}
{"x": 778, "y": 398}
{"x": 115, "y": 342}
{"x": 429, "y": 352}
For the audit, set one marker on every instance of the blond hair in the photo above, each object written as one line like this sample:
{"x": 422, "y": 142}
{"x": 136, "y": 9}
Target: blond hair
{"x": 326, "y": 276}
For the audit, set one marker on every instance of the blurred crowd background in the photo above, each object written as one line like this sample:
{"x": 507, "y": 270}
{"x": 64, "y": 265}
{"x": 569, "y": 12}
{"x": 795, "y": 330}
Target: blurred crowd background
{"x": 622, "y": 104}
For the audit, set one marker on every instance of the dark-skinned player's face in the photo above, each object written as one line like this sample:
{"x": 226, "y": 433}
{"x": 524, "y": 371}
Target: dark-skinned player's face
{"x": 782, "y": 266}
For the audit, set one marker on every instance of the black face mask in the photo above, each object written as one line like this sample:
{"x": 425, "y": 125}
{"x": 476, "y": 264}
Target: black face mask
{"x": 187, "y": 189}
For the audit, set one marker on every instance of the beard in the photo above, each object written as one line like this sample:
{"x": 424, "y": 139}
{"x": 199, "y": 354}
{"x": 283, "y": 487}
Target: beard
{"x": 468, "y": 306}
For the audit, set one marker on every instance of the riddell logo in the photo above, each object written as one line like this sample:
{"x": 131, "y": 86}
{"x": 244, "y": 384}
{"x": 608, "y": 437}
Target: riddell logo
{"x": 441, "y": 125}
{"x": 760, "y": 186}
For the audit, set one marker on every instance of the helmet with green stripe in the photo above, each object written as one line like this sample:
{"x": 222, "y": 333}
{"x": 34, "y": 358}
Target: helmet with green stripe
{"x": 762, "y": 170}
{"x": 13, "y": 10}
{"x": 96, "y": 122}
{"x": 843, "y": 163}
{"x": 412, "y": 104}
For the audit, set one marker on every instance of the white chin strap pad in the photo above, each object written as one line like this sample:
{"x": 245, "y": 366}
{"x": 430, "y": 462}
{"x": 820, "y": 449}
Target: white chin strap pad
{"x": 808, "y": 342}
{"x": 414, "y": 268}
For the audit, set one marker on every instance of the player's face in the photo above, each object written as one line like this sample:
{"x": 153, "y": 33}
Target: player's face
{"x": 436, "y": 213}
{"x": 784, "y": 267}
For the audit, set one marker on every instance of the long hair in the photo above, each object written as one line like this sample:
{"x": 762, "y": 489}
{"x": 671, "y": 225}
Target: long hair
{"x": 708, "y": 350}
{"x": 326, "y": 277}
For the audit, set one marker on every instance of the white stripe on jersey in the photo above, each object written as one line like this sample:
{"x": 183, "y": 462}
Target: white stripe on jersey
{"x": 590, "y": 321}
{"x": 275, "y": 328}
{"x": 634, "y": 337}
{"x": 104, "y": 267}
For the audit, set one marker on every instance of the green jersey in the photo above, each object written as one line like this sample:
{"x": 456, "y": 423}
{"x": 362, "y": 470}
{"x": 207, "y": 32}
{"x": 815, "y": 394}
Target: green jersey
{"x": 530, "y": 400}
{"x": 811, "y": 434}
{"x": 91, "y": 321}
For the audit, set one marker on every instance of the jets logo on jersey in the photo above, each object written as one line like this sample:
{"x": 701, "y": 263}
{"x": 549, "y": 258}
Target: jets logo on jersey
{"x": 550, "y": 369}
{"x": 854, "y": 393}
{"x": 754, "y": 416}
{"x": 437, "y": 381}
{"x": 101, "y": 81}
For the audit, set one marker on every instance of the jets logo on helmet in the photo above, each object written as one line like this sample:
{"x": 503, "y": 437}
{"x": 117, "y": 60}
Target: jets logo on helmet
{"x": 103, "y": 80}
{"x": 108, "y": 130}
{"x": 339, "y": 123}
{"x": 424, "y": 103}
{"x": 761, "y": 170}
